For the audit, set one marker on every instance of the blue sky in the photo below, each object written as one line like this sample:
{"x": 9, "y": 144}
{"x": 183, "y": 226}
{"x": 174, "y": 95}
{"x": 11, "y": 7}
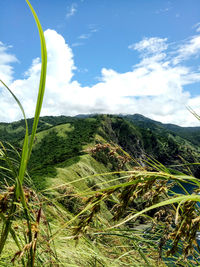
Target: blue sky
{"x": 108, "y": 56}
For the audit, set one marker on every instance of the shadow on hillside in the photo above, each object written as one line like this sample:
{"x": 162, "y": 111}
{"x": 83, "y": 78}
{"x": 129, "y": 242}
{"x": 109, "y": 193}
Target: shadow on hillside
{"x": 57, "y": 151}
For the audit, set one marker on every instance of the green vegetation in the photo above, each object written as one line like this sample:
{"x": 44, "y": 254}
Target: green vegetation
{"x": 101, "y": 190}
{"x": 89, "y": 173}
{"x": 17, "y": 192}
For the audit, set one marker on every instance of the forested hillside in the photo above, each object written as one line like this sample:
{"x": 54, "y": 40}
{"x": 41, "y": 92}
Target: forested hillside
{"x": 76, "y": 156}
{"x": 61, "y": 139}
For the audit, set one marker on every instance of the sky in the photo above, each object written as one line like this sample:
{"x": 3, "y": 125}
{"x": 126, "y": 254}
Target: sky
{"x": 104, "y": 56}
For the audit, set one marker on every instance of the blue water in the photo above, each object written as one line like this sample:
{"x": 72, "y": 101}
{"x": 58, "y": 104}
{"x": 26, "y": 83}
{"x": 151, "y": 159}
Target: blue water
{"x": 178, "y": 190}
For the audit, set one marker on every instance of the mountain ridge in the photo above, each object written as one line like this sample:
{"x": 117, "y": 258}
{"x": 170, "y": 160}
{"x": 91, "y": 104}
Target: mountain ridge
{"x": 72, "y": 156}
{"x": 62, "y": 139}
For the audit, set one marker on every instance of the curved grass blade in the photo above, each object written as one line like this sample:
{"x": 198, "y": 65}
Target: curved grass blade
{"x": 17, "y": 100}
{"x": 161, "y": 204}
{"x": 42, "y": 78}
{"x": 27, "y": 147}
{"x": 19, "y": 179}
{"x": 24, "y": 156}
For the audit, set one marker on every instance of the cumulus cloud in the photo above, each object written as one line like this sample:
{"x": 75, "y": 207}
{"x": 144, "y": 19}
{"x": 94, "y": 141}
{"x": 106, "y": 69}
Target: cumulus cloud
{"x": 154, "y": 87}
{"x": 6, "y": 59}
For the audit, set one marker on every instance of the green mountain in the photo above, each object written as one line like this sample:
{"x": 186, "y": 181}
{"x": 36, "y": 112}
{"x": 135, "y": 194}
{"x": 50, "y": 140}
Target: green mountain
{"x": 63, "y": 141}
{"x": 192, "y": 134}
{"x": 74, "y": 155}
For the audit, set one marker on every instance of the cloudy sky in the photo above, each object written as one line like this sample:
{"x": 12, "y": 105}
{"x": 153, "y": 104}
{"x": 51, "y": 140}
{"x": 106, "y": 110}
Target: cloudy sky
{"x": 104, "y": 56}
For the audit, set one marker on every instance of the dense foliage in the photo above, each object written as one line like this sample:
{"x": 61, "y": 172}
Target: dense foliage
{"x": 137, "y": 135}
{"x": 70, "y": 149}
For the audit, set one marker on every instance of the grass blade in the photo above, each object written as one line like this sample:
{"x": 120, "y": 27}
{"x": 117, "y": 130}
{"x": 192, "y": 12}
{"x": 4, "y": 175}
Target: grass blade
{"x": 42, "y": 78}
{"x": 161, "y": 204}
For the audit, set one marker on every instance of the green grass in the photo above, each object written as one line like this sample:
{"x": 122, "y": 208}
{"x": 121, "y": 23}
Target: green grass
{"x": 84, "y": 194}
{"x": 20, "y": 172}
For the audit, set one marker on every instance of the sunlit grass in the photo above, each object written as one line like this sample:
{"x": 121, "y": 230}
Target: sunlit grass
{"x": 41, "y": 231}
{"x": 19, "y": 172}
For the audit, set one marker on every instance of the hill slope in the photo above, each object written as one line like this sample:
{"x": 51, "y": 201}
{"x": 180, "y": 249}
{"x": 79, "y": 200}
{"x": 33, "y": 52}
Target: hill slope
{"x": 63, "y": 140}
{"x": 73, "y": 155}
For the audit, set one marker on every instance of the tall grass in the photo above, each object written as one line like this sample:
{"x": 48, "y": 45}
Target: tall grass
{"x": 18, "y": 173}
{"x": 133, "y": 194}
{"x": 177, "y": 216}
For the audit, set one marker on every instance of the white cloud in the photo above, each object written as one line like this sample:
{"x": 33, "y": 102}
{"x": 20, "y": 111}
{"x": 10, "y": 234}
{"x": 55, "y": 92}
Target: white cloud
{"x": 197, "y": 27}
{"x": 72, "y": 10}
{"x": 93, "y": 28}
{"x": 59, "y": 53}
{"x": 77, "y": 44}
{"x": 84, "y": 36}
{"x": 189, "y": 48}
{"x": 163, "y": 10}
{"x": 154, "y": 87}
{"x": 6, "y": 59}
{"x": 152, "y": 45}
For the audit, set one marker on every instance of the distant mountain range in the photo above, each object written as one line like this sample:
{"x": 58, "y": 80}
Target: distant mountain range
{"x": 63, "y": 141}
